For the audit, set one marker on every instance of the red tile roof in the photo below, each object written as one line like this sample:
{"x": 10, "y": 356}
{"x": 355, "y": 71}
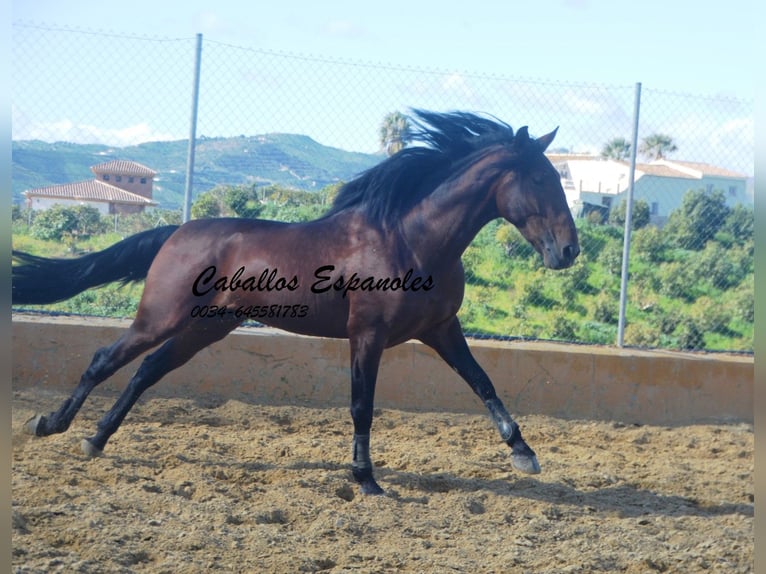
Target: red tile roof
{"x": 704, "y": 168}
{"x": 92, "y": 190}
{"x": 661, "y": 171}
{"x": 661, "y": 168}
{"x": 123, "y": 167}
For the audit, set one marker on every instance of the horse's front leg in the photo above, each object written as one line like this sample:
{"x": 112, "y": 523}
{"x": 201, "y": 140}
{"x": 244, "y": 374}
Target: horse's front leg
{"x": 447, "y": 339}
{"x": 366, "y": 350}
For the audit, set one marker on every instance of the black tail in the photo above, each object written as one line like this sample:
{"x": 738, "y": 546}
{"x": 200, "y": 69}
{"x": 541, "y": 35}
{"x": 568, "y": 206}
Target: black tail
{"x": 39, "y": 280}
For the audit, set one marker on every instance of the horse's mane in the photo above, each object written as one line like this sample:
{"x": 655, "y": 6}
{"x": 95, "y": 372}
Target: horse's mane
{"x": 391, "y": 188}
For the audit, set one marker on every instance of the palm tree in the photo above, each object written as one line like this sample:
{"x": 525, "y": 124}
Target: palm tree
{"x": 616, "y": 148}
{"x": 657, "y": 146}
{"x": 395, "y": 132}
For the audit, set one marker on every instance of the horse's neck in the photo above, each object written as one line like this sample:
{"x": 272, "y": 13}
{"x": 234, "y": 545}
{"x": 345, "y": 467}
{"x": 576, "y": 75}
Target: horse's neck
{"x": 443, "y": 225}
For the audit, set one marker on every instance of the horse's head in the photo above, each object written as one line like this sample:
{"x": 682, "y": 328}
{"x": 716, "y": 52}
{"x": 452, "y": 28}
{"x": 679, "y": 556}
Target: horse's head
{"x": 530, "y": 196}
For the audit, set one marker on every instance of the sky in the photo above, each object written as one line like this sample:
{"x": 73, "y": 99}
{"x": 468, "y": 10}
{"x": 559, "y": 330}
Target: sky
{"x": 675, "y": 46}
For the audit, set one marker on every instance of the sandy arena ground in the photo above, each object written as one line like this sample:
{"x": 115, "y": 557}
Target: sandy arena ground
{"x": 192, "y": 486}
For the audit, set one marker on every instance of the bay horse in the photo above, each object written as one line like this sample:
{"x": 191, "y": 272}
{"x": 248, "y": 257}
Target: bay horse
{"x": 380, "y": 267}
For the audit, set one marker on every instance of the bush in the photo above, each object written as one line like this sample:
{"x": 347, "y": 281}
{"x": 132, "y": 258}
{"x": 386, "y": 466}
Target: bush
{"x": 642, "y": 335}
{"x": 677, "y": 280}
{"x": 597, "y": 333}
{"x": 701, "y": 215}
{"x": 743, "y": 302}
{"x": 606, "y": 310}
{"x": 564, "y": 328}
{"x": 513, "y": 243}
{"x": 690, "y": 334}
{"x": 534, "y": 294}
{"x": 711, "y": 317}
{"x": 611, "y": 258}
{"x": 59, "y": 222}
{"x": 207, "y": 205}
{"x": 575, "y": 280}
{"x": 640, "y": 216}
{"x": 666, "y": 322}
{"x": 243, "y": 201}
{"x": 650, "y": 244}
{"x": 722, "y": 268}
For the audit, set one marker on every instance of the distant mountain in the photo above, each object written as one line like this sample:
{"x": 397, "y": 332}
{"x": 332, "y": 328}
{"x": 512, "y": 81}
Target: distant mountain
{"x": 291, "y": 160}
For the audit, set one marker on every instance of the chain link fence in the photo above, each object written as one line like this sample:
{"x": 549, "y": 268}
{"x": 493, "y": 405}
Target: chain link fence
{"x": 690, "y": 277}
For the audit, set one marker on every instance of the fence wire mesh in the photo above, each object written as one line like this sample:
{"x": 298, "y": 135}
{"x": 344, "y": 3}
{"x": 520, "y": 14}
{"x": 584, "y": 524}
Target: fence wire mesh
{"x": 691, "y": 280}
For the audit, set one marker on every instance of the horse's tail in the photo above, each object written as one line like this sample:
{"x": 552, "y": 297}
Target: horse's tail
{"x": 39, "y": 280}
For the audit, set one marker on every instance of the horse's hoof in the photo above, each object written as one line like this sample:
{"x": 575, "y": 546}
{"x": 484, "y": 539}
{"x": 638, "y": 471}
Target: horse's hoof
{"x": 525, "y": 463}
{"x": 90, "y": 449}
{"x": 369, "y": 486}
{"x": 31, "y": 426}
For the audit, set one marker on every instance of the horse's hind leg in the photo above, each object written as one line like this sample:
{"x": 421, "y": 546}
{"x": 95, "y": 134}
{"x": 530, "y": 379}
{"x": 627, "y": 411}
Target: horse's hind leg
{"x": 448, "y": 340}
{"x": 171, "y": 355}
{"x": 105, "y": 363}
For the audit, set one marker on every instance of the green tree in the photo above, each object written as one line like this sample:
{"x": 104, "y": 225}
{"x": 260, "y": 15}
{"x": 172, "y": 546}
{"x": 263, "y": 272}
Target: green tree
{"x": 285, "y": 196}
{"x": 611, "y": 257}
{"x": 701, "y": 215}
{"x": 59, "y": 222}
{"x": 640, "y": 217}
{"x": 657, "y": 146}
{"x": 395, "y": 132}
{"x": 616, "y": 148}
{"x": 206, "y": 205}
{"x": 89, "y": 221}
{"x": 243, "y": 201}
{"x": 650, "y": 244}
{"x": 721, "y": 267}
{"x": 740, "y": 223}
{"x": 690, "y": 335}
{"x": 513, "y": 242}
{"x": 330, "y": 192}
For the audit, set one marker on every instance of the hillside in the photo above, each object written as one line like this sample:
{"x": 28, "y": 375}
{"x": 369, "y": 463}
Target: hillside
{"x": 291, "y": 160}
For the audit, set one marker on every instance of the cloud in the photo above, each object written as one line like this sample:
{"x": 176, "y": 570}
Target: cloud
{"x": 739, "y": 132}
{"x": 212, "y": 23}
{"x": 344, "y": 29}
{"x": 458, "y": 85}
{"x": 69, "y": 131}
{"x": 732, "y": 143}
{"x": 576, "y": 4}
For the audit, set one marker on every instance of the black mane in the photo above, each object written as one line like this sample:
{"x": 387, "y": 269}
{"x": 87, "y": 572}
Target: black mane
{"x": 388, "y": 190}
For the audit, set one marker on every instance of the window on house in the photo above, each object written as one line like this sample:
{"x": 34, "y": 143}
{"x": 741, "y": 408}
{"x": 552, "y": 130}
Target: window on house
{"x": 106, "y": 177}
{"x": 117, "y": 178}
{"x": 732, "y": 191}
{"x": 709, "y": 188}
{"x": 655, "y": 208}
{"x": 606, "y": 201}
{"x": 143, "y": 180}
{"x": 131, "y": 179}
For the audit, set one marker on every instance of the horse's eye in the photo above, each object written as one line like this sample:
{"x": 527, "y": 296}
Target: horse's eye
{"x": 537, "y": 179}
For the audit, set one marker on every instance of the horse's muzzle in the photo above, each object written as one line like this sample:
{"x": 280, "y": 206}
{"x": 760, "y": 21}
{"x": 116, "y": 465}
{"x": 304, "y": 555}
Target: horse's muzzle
{"x": 560, "y": 258}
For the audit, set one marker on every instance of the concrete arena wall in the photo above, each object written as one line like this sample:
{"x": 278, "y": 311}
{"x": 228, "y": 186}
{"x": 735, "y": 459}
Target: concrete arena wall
{"x": 272, "y": 367}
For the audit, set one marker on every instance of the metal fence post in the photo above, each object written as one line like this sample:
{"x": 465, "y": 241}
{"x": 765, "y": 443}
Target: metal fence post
{"x": 628, "y": 221}
{"x": 192, "y": 132}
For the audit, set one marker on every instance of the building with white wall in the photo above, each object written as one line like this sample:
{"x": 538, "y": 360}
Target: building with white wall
{"x": 118, "y": 187}
{"x": 662, "y": 184}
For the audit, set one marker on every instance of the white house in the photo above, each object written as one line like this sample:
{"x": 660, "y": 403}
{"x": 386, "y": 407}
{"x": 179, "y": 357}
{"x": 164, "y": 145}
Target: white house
{"x": 590, "y": 181}
{"x": 119, "y": 187}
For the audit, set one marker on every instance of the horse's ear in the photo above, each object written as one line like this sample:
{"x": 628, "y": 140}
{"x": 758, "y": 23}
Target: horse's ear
{"x": 546, "y": 140}
{"x": 521, "y": 138}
